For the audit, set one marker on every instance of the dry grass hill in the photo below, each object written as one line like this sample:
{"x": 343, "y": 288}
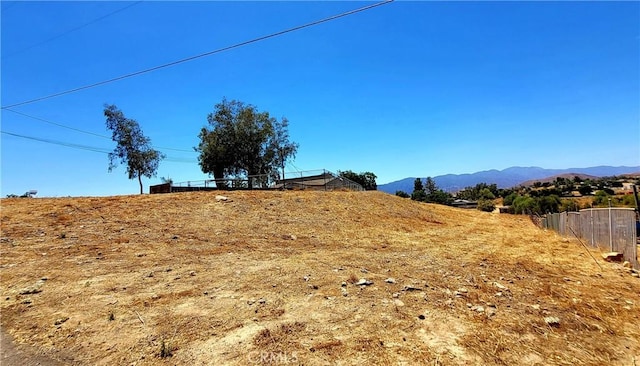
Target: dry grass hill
{"x": 312, "y": 278}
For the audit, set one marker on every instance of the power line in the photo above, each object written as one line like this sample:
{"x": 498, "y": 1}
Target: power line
{"x": 71, "y": 30}
{"x": 61, "y": 143}
{"x": 86, "y": 147}
{"x": 87, "y": 132}
{"x": 56, "y": 124}
{"x": 324, "y": 20}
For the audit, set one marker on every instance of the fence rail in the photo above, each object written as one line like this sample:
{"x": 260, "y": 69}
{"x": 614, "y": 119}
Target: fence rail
{"x": 610, "y": 229}
{"x": 312, "y": 179}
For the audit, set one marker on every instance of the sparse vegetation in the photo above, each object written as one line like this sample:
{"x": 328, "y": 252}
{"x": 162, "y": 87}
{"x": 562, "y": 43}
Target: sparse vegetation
{"x": 268, "y": 268}
{"x": 165, "y": 349}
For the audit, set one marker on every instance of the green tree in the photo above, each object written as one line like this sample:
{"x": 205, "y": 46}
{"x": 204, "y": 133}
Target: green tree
{"x": 480, "y": 191}
{"x": 430, "y": 186}
{"x": 243, "y": 141}
{"x": 133, "y": 147}
{"x": 366, "y": 179}
{"x": 430, "y": 192}
{"x": 524, "y": 205}
{"x": 486, "y": 194}
{"x": 508, "y": 200}
{"x": 548, "y": 204}
{"x": 439, "y": 196}
{"x": 585, "y": 189}
{"x": 417, "y": 185}
{"x": 418, "y": 191}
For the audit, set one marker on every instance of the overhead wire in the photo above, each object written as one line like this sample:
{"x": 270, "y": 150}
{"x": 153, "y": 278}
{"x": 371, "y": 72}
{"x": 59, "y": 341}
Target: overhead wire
{"x": 87, "y": 132}
{"x": 56, "y": 124}
{"x": 191, "y": 58}
{"x": 71, "y": 30}
{"x": 86, "y": 147}
{"x": 61, "y": 143}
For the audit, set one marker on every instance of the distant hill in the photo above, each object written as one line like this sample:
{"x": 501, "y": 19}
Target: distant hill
{"x": 507, "y": 178}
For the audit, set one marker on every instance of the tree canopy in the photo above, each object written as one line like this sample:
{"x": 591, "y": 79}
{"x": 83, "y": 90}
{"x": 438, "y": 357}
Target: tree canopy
{"x": 366, "y": 179}
{"x": 429, "y": 192}
{"x": 418, "y": 193}
{"x": 241, "y": 141}
{"x": 133, "y": 147}
{"x": 480, "y": 191}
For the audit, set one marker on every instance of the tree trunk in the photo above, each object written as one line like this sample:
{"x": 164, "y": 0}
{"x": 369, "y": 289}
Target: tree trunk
{"x": 140, "y": 181}
{"x": 250, "y": 182}
{"x": 218, "y": 175}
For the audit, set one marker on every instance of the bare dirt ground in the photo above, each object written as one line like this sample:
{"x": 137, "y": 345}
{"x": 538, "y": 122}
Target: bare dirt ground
{"x": 272, "y": 278}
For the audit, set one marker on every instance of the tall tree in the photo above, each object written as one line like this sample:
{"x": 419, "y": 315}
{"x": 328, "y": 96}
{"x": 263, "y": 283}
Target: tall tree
{"x": 243, "y": 141}
{"x": 417, "y": 185}
{"x": 430, "y": 186}
{"x": 133, "y": 147}
{"x": 418, "y": 191}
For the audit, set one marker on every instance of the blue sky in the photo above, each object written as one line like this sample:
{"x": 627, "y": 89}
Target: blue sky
{"x": 404, "y": 89}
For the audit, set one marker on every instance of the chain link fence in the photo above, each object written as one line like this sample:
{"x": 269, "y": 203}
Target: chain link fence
{"x": 320, "y": 180}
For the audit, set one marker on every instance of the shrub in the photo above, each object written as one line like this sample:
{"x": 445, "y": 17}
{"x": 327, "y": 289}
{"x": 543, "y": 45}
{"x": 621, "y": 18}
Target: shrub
{"x": 402, "y": 194}
{"x": 486, "y": 205}
{"x": 165, "y": 349}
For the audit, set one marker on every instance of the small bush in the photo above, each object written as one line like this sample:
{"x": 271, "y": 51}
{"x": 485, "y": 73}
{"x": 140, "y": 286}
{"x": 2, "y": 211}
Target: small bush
{"x": 165, "y": 349}
{"x": 486, "y": 205}
{"x": 402, "y": 194}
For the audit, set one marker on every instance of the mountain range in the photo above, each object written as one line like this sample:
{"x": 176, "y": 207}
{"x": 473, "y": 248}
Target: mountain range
{"x": 507, "y": 178}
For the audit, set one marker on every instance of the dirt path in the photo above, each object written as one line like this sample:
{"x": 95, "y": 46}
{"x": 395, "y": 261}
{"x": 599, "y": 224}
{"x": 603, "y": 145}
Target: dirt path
{"x": 11, "y": 355}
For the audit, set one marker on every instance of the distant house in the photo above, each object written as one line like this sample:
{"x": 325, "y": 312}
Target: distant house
{"x": 465, "y": 204}
{"x": 627, "y": 187}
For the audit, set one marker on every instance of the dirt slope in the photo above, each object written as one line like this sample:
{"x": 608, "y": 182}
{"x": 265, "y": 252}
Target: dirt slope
{"x": 270, "y": 277}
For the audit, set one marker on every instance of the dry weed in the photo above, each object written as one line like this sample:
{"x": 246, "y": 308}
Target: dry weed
{"x": 260, "y": 278}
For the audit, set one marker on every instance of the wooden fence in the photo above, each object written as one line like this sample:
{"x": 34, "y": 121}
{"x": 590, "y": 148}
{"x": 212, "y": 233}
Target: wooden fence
{"x": 610, "y": 229}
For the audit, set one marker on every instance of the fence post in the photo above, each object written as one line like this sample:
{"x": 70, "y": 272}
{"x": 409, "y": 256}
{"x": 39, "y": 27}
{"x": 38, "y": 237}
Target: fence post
{"x": 324, "y": 177}
{"x": 593, "y": 240}
{"x": 610, "y": 228}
